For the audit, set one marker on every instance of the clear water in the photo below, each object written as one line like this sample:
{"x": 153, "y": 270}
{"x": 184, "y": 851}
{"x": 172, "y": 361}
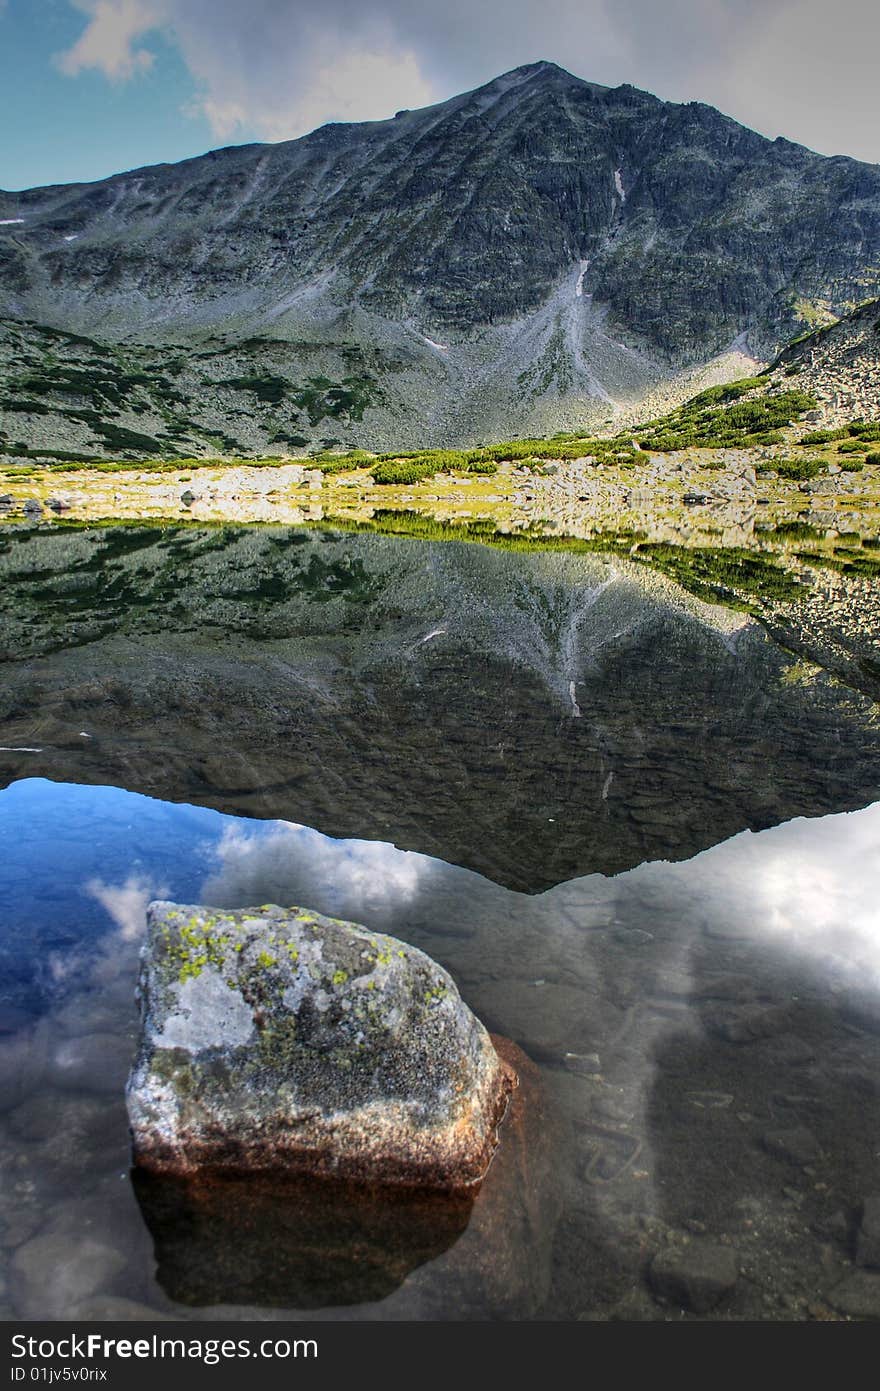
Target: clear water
{"x": 685, "y": 1017}
{"x": 642, "y": 838}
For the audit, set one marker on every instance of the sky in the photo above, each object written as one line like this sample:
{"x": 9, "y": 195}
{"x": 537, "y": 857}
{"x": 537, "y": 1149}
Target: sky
{"x": 92, "y": 87}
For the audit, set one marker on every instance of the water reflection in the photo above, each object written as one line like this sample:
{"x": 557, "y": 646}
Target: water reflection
{"x": 708, "y": 1035}
{"x": 533, "y": 717}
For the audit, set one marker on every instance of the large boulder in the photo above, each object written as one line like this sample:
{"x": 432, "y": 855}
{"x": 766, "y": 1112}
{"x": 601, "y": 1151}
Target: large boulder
{"x": 281, "y": 1041}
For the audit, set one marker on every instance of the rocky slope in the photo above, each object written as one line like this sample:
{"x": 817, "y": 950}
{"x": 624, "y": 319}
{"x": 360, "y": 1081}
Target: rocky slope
{"x": 532, "y": 254}
{"x": 839, "y": 365}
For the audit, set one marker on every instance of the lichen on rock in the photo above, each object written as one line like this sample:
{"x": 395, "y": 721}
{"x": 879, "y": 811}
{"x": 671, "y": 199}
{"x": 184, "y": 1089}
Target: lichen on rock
{"x": 282, "y": 1041}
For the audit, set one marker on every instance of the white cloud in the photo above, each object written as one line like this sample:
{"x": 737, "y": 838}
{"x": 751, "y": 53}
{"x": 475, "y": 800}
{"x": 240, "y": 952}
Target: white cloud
{"x": 354, "y": 86}
{"x": 110, "y": 40}
{"x": 273, "y": 67}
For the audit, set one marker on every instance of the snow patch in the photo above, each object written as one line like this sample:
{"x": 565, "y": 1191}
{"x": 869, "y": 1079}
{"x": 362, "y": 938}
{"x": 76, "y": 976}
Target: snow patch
{"x": 10, "y": 221}
{"x": 73, "y": 236}
{"x": 441, "y": 347}
{"x": 618, "y": 185}
{"x": 579, "y": 287}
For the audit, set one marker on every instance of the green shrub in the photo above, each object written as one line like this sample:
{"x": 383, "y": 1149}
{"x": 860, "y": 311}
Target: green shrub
{"x": 717, "y": 418}
{"x": 873, "y": 458}
{"x": 795, "y": 470}
{"x": 402, "y": 471}
{"x": 268, "y": 388}
{"x": 721, "y": 573}
{"x": 341, "y": 463}
{"x": 852, "y": 465}
{"x": 797, "y": 531}
{"x": 728, "y": 391}
{"x": 823, "y": 436}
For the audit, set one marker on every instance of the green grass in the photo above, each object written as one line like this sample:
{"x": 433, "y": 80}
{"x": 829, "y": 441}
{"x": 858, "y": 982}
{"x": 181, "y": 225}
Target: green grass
{"x": 187, "y": 463}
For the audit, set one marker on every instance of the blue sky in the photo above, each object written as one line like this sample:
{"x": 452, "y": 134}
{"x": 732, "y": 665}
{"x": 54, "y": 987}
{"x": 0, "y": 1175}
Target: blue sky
{"x": 59, "y": 129}
{"x": 91, "y": 87}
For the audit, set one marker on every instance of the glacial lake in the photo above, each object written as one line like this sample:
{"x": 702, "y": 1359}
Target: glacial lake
{"x": 642, "y": 836}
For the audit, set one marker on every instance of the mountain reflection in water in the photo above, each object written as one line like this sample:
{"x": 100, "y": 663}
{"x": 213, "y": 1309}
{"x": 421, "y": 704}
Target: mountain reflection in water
{"x": 534, "y": 717}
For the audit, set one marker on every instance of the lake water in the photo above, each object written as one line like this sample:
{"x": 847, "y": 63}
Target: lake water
{"x": 641, "y": 836}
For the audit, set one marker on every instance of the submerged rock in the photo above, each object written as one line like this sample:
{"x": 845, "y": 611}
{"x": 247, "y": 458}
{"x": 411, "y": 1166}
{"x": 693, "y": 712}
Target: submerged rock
{"x": 696, "y": 1277}
{"x": 280, "y": 1041}
{"x": 333, "y": 1244}
{"x": 52, "y": 1272}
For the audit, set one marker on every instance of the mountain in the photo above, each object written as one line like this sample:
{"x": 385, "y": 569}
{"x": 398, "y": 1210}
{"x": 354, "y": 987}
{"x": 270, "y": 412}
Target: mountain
{"x": 538, "y": 252}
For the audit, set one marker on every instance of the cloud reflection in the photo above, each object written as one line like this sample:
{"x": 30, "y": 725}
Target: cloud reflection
{"x": 291, "y": 864}
{"x": 809, "y": 887}
{"x": 126, "y": 903}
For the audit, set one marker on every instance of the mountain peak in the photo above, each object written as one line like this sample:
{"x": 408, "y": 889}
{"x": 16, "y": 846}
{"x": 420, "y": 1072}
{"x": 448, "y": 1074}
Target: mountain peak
{"x": 543, "y": 71}
{"x": 541, "y": 67}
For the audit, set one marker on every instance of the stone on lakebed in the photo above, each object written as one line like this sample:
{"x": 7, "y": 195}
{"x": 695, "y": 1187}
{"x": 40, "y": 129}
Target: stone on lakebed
{"x": 280, "y": 1041}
